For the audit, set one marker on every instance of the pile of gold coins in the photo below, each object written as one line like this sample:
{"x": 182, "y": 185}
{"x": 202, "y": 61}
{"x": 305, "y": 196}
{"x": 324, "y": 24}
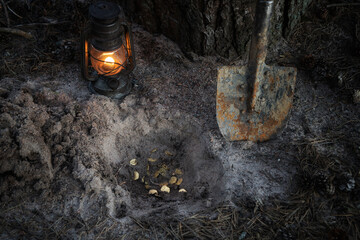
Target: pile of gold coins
{"x": 160, "y": 175}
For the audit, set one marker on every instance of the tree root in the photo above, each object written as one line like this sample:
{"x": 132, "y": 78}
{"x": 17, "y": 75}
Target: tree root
{"x": 17, "y": 32}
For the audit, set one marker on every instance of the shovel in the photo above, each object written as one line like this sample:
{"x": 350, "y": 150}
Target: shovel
{"x": 253, "y": 101}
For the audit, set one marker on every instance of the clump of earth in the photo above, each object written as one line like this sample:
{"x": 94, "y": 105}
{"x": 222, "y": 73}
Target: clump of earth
{"x": 66, "y": 154}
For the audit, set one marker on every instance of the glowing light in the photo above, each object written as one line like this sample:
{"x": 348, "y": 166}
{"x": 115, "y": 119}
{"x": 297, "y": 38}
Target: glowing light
{"x": 109, "y": 60}
{"x": 108, "y": 63}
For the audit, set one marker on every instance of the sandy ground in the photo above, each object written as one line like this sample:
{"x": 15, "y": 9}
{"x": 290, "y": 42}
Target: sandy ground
{"x": 65, "y": 153}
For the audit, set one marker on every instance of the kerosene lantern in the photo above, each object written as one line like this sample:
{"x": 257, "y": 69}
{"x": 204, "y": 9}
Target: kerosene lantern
{"x": 107, "y": 51}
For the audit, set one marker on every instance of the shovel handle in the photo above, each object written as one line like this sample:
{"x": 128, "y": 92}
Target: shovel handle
{"x": 258, "y": 48}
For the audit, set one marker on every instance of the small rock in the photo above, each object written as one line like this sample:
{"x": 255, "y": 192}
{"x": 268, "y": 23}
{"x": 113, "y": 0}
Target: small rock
{"x": 67, "y": 119}
{"x": 93, "y": 131}
{"x": 40, "y": 185}
{"x": 192, "y": 56}
{"x": 356, "y": 96}
{"x": 6, "y": 121}
{"x": 242, "y": 236}
{"x": 71, "y": 110}
{"x": 209, "y": 202}
{"x": 214, "y": 216}
{"x": 66, "y": 143}
{"x": 247, "y": 145}
{"x": 58, "y": 148}
{"x": 340, "y": 79}
{"x": 346, "y": 182}
{"x": 156, "y": 100}
{"x": 201, "y": 192}
{"x": 72, "y": 152}
{"x": 330, "y": 189}
{"x": 4, "y": 92}
{"x": 39, "y": 118}
{"x": 56, "y": 128}
{"x": 23, "y": 99}
{"x": 66, "y": 139}
{"x": 350, "y": 185}
{"x": 5, "y": 136}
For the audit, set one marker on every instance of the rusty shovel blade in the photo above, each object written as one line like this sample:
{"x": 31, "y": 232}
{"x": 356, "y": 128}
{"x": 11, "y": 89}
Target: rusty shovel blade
{"x": 273, "y": 102}
{"x": 253, "y": 101}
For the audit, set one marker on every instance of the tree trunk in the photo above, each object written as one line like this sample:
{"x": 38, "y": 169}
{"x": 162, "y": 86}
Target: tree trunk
{"x": 210, "y": 27}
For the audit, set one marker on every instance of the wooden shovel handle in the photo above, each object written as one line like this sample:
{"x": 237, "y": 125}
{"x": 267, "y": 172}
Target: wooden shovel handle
{"x": 258, "y": 48}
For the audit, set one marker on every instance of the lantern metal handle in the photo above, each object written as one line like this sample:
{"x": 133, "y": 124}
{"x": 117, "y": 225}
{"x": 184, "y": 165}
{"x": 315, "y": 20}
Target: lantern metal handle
{"x": 129, "y": 48}
{"x": 85, "y": 56}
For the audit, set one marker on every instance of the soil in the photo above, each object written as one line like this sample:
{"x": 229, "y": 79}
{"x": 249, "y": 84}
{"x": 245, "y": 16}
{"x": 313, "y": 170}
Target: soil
{"x": 66, "y": 154}
{"x": 65, "y": 169}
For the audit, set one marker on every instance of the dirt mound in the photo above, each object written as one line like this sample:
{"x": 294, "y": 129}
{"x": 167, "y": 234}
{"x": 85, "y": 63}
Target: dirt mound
{"x": 64, "y": 150}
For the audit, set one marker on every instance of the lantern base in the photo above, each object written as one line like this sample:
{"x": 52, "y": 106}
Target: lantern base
{"x": 101, "y": 86}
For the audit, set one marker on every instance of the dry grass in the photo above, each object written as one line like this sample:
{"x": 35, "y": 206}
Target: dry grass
{"x": 330, "y": 43}
{"x": 41, "y": 39}
{"x": 304, "y": 216}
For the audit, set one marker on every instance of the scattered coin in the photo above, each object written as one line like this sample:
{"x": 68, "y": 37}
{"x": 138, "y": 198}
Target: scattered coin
{"x": 163, "y": 170}
{"x": 148, "y": 170}
{"x": 136, "y": 175}
{"x": 152, "y": 159}
{"x": 153, "y": 192}
{"x": 178, "y": 171}
{"x": 182, "y": 190}
{"x": 133, "y": 162}
{"x": 173, "y": 180}
{"x": 168, "y": 153}
{"x": 179, "y": 181}
{"x": 165, "y": 189}
{"x": 156, "y": 174}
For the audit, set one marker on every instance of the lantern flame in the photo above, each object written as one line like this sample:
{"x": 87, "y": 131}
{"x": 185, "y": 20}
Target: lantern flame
{"x": 108, "y": 63}
{"x": 109, "y": 60}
